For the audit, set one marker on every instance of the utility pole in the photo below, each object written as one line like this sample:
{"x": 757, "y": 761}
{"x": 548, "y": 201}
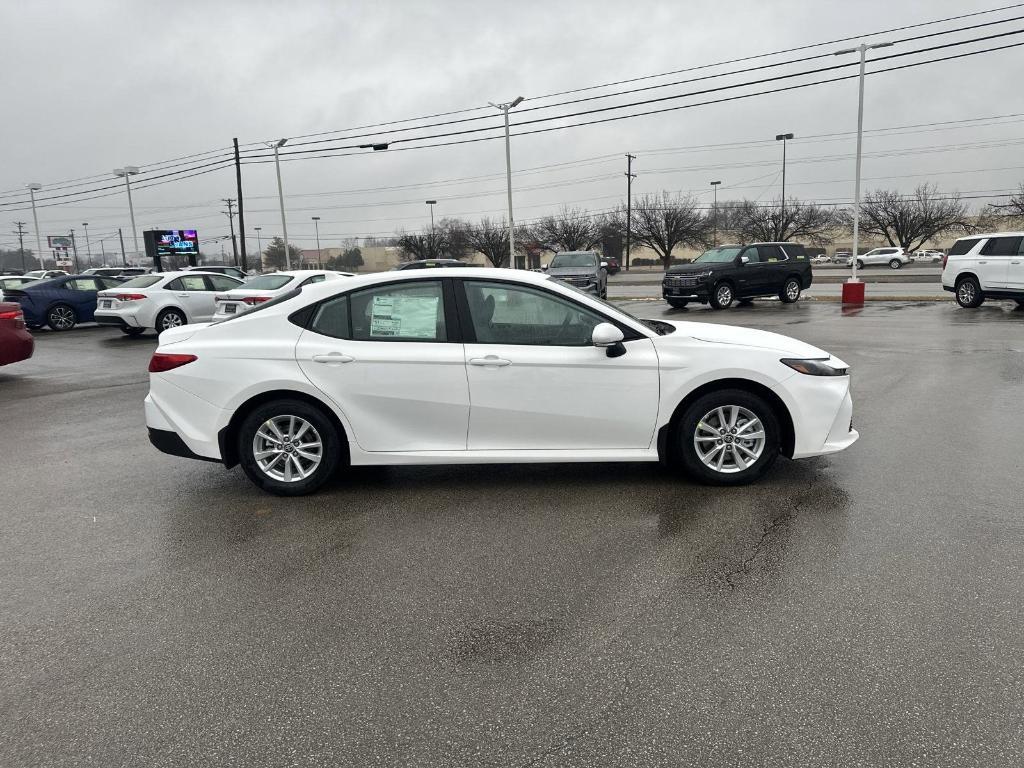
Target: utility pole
{"x": 21, "y": 242}
{"x": 241, "y": 207}
{"x": 259, "y": 247}
{"x": 781, "y": 232}
{"x": 74, "y": 250}
{"x": 231, "y": 221}
{"x": 508, "y": 178}
{"x": 120, "y": 237}
{"x": 714, "y": 186}
{"x": 629, "y": 205}
{"x": 88, "y": 248}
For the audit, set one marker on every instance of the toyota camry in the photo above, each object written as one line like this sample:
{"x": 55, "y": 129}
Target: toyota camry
{"x": 479, "y": 365}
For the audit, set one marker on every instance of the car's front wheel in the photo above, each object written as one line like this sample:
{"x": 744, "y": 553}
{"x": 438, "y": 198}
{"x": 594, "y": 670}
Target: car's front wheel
{"x": 722, "y": 296}
{"x": 968, "y": 293}
{"x": 860, "y": 264}
{"x": 729, "y": 437}
{"x": 61, "y": 317}
{"x": 895, "y": 264}
{"x": 790, "y": 292}
{"x": 677, "y": 303}
{"x": 289, "y": 447}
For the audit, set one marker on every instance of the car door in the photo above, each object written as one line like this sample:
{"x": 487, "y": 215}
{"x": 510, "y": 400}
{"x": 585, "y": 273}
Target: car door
{"x": 773, "y": 269}
{"x": 747, "y": 275}
{"x": 205, "y": 301}
{"x": 82, "y": 296}
{"x": 994, "y": 261}
{"x": 536, "y": 382}
{"x": 1015, "y": 270}
{"x": 386, "y": 355}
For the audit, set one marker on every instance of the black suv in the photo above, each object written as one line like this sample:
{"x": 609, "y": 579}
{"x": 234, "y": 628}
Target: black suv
{"x": 731, "y": 273}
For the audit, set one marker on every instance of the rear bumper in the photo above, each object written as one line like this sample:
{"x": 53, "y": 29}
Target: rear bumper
{"x": 16, "y": 346}
{"x": 115, "y": 317}
{"x": 191, "y": 419}
{"x": 110, "y": 320}
{"x": 169, "y": 442}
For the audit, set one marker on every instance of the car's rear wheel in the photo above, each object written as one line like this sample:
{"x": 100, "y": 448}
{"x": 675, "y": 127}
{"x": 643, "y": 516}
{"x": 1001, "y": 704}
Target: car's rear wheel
{"x": 895, "y": 264}
{"x": 729, "y": 437}
{"x": 968, "y": 293}
{"x": 677, "y": 303}
{"x": 722, "y": 296}
{"x": 170, "y": 318}
{"x": 289, "y": 447}
{"x": 129, "y": 331}
{"x": 61, "y": 317}
{"x": 790, "y": 292}
{"x": 860, "y": 264}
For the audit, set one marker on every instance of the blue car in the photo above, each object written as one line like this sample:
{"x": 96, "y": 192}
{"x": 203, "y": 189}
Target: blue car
{"x": 60, "y": 302}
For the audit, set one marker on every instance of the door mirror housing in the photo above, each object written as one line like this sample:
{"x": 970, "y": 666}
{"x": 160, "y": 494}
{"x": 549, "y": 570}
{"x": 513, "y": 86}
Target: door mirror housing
{"x": 744, "y": 259}
{"x": 604, "y": 265}
{"x": 606, "y": 335}
{"x": 544, "y": 267}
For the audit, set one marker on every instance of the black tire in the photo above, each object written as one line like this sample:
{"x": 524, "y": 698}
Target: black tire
{"x": 319, "y": 423}
{"x": 128, "y": 331}
{"x": 968, "y": 293}
{"x": 744, "y": 302}
{"x": 791, "y": 289}
{"x": 61, "y": 317}
{"x": 604, "y": 292}
{"x": 895, "y": 264}
{"x": 686, "y": 431}
{"x": 1020, "y": 303}
{"x": 677, "y": 303}
{"x": 722, "y": 295}
{"x": 170, "y": 318}
{"x": 860, "y": 264}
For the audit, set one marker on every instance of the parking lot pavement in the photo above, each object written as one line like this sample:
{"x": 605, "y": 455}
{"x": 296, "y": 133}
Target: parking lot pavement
{"x": 894, "y": 291}
{"x": 860, "y": 609}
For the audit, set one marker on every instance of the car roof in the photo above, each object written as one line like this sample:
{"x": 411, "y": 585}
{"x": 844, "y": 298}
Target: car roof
{"x": 437, "y": 273}
{"x": 991, "y": 234}
{"x": 188, "y": 272}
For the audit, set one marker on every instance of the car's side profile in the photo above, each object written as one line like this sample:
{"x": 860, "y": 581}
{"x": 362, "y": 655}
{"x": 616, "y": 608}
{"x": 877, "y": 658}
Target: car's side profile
{"x": 59, "y": 302}
{"x": 470, "y": 366}
{"x": 162, "y": 300}
{"x": 894, "y": 258}
{"x": 989, "y": 266}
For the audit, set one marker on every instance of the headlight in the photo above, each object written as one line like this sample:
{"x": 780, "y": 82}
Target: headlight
{"x": 815, "y": 367}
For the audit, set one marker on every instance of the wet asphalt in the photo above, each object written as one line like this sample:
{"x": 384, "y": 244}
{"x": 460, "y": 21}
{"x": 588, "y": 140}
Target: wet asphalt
{"x": 863, "y": 609}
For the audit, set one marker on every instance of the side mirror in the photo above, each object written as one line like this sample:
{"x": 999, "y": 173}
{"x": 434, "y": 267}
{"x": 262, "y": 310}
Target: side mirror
{"x": 607, "y": 336}
{"x": 604, "y": 264}
{"x": 744, "y": 259}
{"x": 544, "y": 267}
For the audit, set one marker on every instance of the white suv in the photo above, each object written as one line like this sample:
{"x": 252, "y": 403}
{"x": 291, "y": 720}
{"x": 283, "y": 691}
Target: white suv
{"x": 894, "y": 257}
{"x": 983, "y": 267}
{"x": 162, "y": 300}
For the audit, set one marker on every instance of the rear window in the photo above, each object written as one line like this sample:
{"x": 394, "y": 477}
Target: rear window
{"x": 1001, "y": 246}
{"x": 960, "y": 247}
{"x": 269, "y": 282}
{"x": 795, "y": 251}
{"x": 145, "y": 281}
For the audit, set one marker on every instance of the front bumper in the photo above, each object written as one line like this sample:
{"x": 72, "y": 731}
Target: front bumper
{"x": 699, "y": 292}
{"x": 822, "y": 412}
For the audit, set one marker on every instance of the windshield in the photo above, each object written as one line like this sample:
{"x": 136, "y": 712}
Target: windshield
{"x": 269, "y": 282}
{"x": 573, "y": 260}
{"x": 718, "y": 255}
{"x": 35, "y": 273}
{"x": 141, "y": 282}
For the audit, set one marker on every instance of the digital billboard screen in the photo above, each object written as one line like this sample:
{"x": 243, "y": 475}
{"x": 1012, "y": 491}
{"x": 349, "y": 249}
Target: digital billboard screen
{"x": 180, "y": 241}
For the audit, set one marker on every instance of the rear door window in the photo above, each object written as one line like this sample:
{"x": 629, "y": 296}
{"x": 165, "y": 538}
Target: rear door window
{"x": 1001, "y": 246}
{"x": 222, "y": 282}
{"x": 771, "y": 253}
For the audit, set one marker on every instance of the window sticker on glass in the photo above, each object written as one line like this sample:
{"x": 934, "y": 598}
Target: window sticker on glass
{"x": 411, "y": 317}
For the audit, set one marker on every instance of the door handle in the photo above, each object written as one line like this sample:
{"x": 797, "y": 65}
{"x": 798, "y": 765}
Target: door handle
{"x": 983, "y": 262}
{"x": 182, "y": 295}
{"x": 334, "y": 358}
{"x": 1015, "y": 262}
{"x": 490, "y": 360}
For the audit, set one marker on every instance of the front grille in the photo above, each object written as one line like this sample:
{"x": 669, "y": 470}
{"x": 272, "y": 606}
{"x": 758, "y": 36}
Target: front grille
{"x": 578, "y": 282}
{"x": 681, "y": 282}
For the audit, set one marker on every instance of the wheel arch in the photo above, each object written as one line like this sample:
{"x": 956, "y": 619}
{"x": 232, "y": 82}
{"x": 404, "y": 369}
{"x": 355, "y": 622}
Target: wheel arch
{"x": 779, "y": 409}
{"x": 227, "y": 437}
{"x": 961, "y": 276}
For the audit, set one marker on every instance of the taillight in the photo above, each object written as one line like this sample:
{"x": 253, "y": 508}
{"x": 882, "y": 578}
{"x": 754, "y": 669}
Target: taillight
{"x": 222, "y": 298}
{"x": 14, "y": 314}
{"x": 252, "y": 301}
{"x": 945, "y": 258}
{"x": 164, "y": 361}
{"x": 129, "y": 296}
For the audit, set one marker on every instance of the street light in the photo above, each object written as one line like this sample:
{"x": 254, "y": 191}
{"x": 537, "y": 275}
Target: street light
{"x": 276, "y": 145}
{"x": 714, "y": 186}
{"x": 783, "y": 137}
{"x": 127, "y": 172}
{"x": 259, "y": 245}
{"x": 32, "y": 189}
{"x": 863, "y": 49}
{"x": 431, "y": 203}
{"x": 88, "y": 249}
{"x": 508, "y": 178}
{"x": 319, "y": 256}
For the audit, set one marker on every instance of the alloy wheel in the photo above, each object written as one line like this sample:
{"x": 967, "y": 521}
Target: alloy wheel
{"x": 171, "y": 320}
{"x": 729, "y": 439}
{"x": 62, "y": 318}
{"x": 792, "y": 290}
{"x": 287, "y": 448}
{"x": 724, "y": 295}
{"x": 965, "y": 292}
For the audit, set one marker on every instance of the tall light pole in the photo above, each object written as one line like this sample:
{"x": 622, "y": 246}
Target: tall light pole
{"x": 127, "y": 172}
{"x": 276, "y": 145}
{"x": 259, "y": 245}
{"x": 863, "y": 48}
{"x": 32, "y": 189}
{"x": 319, "y": 255}
{"x": 783, "y": 137}
{"x": 508, "y": 178}
{"x": 88, "y": 248}
{"x": 714, "y": 186}
{"x": 431, "y": 204}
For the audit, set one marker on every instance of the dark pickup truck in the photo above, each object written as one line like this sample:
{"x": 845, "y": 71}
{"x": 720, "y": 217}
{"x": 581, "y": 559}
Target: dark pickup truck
{"x": 731, "y": 273}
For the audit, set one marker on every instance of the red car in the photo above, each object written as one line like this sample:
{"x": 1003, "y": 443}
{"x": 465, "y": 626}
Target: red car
{"x": 16, "y": 342}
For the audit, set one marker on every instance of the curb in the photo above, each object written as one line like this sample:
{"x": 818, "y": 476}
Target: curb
{"x": 829, "y": 299}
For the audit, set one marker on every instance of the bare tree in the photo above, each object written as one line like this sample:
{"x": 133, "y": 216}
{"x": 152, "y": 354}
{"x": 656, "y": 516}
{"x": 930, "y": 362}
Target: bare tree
{"x": 448, "y": 240}
{"x": 910, "y": 221}
{"x": 571, "y": 229}
{"x": 490, "y": 239}
{"x": 1013, "y": 209}
{"x": 752, "y": 222}
{"x": 663, "y": 222}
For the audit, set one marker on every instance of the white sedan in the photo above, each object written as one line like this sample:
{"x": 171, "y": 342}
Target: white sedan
{"x": 472, "y": 366}
{"x": 161, "y": 301}
{"x": 258, "y": 290}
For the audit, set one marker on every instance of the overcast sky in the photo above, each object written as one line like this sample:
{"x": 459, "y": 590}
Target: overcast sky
{"x": 91, "y": 85}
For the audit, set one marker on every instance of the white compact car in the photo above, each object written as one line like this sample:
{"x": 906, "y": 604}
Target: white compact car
{"x": 444, "y": 366}
{"x": 258, "y": 290}
{"x": 894, "y": 257}
{"x": 983, "y": 267}
{"x": 162, "y": 300}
